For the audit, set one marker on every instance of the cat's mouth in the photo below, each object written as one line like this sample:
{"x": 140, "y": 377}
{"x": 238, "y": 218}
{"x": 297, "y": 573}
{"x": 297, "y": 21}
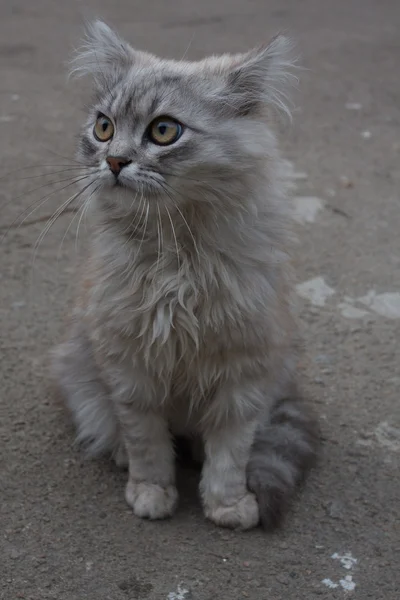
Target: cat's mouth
{"x": 116, "y": 182}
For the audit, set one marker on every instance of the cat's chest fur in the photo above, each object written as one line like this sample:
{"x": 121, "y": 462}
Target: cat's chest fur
{"x": 165, "y": 313}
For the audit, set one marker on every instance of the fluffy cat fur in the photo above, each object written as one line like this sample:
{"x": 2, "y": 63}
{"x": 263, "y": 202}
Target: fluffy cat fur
{"x": 183, "y": 324}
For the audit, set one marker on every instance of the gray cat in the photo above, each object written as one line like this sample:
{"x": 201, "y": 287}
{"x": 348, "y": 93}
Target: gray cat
{"x": 183, "y": 324}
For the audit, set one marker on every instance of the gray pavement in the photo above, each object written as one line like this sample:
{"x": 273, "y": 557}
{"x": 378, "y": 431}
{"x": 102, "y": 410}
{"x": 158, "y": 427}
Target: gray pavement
{"x": 65, "y": 530}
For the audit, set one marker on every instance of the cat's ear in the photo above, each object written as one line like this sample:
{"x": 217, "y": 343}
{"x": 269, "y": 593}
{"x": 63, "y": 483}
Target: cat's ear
{"x": 261, "y": 77}
{"x": 103, "y": 53}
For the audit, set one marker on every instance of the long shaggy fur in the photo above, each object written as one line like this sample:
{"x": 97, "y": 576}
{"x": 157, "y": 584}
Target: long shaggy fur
{"x": 283, "y": 451}
{"x": 183, "y": 324}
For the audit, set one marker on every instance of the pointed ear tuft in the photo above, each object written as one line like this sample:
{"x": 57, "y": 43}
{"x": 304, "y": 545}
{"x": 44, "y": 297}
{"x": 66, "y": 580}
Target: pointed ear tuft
{"x": 262, "y": 77}
{"x": 102, "y": 53}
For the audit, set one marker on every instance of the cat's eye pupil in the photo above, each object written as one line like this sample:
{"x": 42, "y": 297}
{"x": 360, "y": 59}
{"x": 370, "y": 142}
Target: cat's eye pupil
{"x": 103, "y": 129}
{"x": 165, "y": 131}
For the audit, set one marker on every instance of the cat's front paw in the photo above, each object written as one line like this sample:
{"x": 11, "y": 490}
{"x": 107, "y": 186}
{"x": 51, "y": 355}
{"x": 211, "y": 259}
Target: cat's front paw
{"x": 244, "y": 514}
{"x": 151, "y": 501}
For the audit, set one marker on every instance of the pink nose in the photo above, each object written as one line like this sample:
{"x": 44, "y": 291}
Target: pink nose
{"x": 117, "y": 163}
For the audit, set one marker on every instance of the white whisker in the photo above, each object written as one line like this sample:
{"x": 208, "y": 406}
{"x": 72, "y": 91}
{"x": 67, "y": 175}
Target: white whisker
{"x": 54, "y": 218}
{"x": 41, "y": 202}
{"x": 145, "y": 226}
{"x": 175, "y": 239}
{"x": 159, "y": 236}
{"x": 83, "y": 212}
{"x": 186, "y": 223}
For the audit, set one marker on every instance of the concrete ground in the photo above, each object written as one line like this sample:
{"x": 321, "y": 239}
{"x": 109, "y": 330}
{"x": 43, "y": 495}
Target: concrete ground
{"x": 66, "y": 532}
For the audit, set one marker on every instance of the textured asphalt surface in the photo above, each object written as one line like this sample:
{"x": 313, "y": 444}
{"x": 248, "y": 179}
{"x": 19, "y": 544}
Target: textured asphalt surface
{"x": 65, "y": 530}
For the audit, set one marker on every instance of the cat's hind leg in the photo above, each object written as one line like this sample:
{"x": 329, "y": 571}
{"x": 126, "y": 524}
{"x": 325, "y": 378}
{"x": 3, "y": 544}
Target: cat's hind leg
{"x": 79, "y": 379}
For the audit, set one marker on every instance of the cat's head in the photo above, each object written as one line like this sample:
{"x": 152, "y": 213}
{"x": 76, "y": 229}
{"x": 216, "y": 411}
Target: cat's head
{"x": 177, "y": 131}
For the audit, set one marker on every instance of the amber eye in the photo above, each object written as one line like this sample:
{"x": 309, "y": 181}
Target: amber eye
{"x": 103, "y": 129}
{"x": 164, "y": 131}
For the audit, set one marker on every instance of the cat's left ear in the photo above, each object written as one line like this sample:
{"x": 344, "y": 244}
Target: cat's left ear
{"x": 103, "y": 55}
{"x": 261, "y": 77}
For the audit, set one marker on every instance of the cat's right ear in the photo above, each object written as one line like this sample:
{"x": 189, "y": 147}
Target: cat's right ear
{"x": 103, "y": 54}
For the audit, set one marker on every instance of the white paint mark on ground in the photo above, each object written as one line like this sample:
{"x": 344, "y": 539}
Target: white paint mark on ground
{"x": 347, "y": 583}
{"x": 330, "y": 584}
{"x": 181, "y": 593}
{"x": 353, "y": 106}
{"x": 367, "y": 299}
{"x": 366, "y": 135}
{"x": 386, "y": 305}
{"x": 315, "y": 290}
{"x": 347, "y": 560}
{"x": 351, "y": 312}
{"x": 306, "y": 208}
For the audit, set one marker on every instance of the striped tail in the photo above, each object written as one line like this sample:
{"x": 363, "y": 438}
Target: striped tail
{"x": 284, "y": 449}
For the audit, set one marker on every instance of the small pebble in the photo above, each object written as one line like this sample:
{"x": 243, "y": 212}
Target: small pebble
{"x": 346, "y": 182}
{"x": 366, "y": 135}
